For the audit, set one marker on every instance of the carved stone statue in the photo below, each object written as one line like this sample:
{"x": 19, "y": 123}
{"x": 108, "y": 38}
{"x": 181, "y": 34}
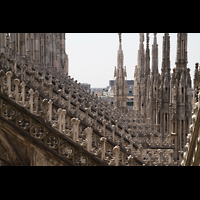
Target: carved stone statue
{"x": 120, "y": 37}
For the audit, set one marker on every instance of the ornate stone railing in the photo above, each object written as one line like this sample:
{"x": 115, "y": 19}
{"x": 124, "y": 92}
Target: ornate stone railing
{"x": 46, "y": 109}
{"x": 67, "y": 108}
{"x": 44, "y": 135}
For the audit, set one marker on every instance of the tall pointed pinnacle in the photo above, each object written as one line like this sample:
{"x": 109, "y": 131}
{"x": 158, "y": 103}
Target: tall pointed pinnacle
{"x": 115, "y": 73}
{"x": 120, "y": 38}
{"x": 155, "y": 39}
{"x": 120, "y": 41}
{"x": 181, "y": 56}
{"x": 120, "y": 89}
{"x": 166, "y": 54}
{"x": 147, "y": 36}
{"x": 155, "y": 55}
{"x": 120, "y": 57}
{"x": 141, "y": 56}
{"x": 141, "y": 41}
{"x": 147, "y": 57}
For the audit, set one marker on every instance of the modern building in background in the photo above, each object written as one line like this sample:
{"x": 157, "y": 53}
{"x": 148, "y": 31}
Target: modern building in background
{"x": 108, "y": 95}
{"x": 86, "y": 87}
{"x": 130, "y": 97}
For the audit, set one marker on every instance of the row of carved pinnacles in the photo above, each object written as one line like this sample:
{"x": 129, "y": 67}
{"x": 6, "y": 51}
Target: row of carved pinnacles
{"x": 77, "y": 100}
{"x": 45, "y": 135}
{"x": 150, "y": 157}
{"x": 100, "y": 106}
{"x": 40, "y": 107}
{"x": 78, "y": 134}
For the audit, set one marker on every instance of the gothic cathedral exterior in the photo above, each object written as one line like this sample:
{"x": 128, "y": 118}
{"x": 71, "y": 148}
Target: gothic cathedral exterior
{"x": 163, "y": 101}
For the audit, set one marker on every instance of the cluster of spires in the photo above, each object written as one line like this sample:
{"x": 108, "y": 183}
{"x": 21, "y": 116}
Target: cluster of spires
{"x": 144, "y": 59}
{"x": 161, "y": 100}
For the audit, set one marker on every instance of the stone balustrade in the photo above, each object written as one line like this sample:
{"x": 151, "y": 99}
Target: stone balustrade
{"x": 54, "y": 99}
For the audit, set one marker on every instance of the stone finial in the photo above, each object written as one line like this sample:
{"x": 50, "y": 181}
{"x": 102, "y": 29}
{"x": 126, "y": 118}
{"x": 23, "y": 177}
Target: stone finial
{"x": 23, "y": 85}
{"x": 89, "y": 132}
{"x": 141, "y": 37}
{"x": 36, "y": 101}
{"x": 2, "y": 73}
{"x": 147, "y": 36}
{"x": 9, "y": 75}
{"x": 75, "y": 122}
{"x": 116, "y": 151}
{"x": 44, "y": 109}
{"x": 50, "y": 110}
{"x": 130, "y": 160}
{"x": 103, "y": 147}
{"x": 16, "y": 83}
{"x": 31, "y": 93}
{"x": 64, "y": 112}
{"x": 120, "y": 37}
{"x": 155, "y": 38}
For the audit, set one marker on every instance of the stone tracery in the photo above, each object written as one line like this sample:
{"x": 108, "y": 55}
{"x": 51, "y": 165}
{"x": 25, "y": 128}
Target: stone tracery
{"x": 58, "y": 110}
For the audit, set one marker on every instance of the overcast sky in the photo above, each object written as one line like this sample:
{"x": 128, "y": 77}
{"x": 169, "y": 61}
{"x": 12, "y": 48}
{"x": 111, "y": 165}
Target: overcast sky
{"x": 93, "y": 56}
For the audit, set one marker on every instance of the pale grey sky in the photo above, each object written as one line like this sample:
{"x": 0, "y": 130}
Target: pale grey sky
{"x": 93, "y": 56}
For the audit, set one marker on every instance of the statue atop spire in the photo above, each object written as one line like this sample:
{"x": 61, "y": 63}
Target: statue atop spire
{"x": 181, "y": 48}
{"x": 147, "y": 58}
{"x": 147, "y": 36}
{"x": 166, "y": 54}
{"x": 120, "y": 56}
{"x": 120, "y": 37}
{"x": 155, "y": 55}
{"x": 141, "y": 37}
{"x": 141, "y": 55}
{"x": 155, "y": 38}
